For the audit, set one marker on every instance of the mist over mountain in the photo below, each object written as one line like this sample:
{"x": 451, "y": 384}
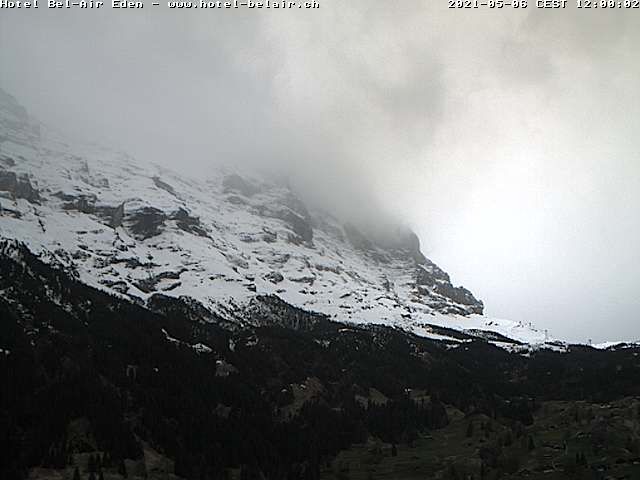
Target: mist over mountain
{"x": 138, "y": 230}
{"x": 505, "y": 139}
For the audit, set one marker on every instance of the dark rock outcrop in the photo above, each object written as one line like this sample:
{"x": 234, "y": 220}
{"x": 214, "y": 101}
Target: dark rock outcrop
{"x": 274, "y": 277}
{"x": 269, "y": 236}
{"x": 292, "y": 211}
{"x": 298, "y": 222}
{"x": 409, "y": 241}
{"x": 461, "y": 296}
{"x": 117, "y": 216}
{"x": 9, "y": 212}
{"x": 150, "y": 284}
{"x": 301, "y": 226}
{"x": 7, "y": 162}
{"x": 429, "y": 275}
{"x": 164, "y": 186}
{"x": 113, "y": 216}
{"x": 187, "y": 223}
{"x": 19, "y": 187}
{"x": 80, "y": 203}
{"x": 146, "y": 222}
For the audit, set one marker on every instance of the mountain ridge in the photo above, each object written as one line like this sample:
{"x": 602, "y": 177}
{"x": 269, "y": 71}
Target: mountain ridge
{"x": 140, "y": 231}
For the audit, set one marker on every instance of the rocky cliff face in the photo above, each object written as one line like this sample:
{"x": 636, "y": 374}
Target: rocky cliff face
{"x": 140, "y": 230}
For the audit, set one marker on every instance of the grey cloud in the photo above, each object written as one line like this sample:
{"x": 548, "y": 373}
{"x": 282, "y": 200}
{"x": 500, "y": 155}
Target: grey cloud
{"x": 507, "y": 139}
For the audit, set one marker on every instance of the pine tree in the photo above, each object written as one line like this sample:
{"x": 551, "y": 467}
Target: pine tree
{"x": 470, "y": 430}
{"x": 122, "y": 468}
{"x": 583, "y": 459}
{"x": 452, "y": 473}
{"x": 531, "y": 445}
{"x": 508, "y": 439}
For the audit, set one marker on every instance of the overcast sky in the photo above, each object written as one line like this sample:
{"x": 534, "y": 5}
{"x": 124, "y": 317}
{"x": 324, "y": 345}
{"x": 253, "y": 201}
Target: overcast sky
{"x": 508, "y": 139}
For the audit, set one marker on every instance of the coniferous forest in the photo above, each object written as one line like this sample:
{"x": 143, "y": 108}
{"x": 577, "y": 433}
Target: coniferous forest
{"x": 96, "y": 387}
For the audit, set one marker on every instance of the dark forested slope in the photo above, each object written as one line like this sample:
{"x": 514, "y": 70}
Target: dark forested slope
{"x": 110, "y": 388}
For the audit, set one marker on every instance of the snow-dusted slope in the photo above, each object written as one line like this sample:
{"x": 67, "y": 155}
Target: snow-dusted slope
{"x": 619, "y": 345}
{"x": 138, "y": 230}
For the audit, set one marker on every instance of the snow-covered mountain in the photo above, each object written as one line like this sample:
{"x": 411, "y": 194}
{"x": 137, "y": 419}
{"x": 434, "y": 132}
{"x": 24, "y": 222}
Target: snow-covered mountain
{"x": 226, "y": 241}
